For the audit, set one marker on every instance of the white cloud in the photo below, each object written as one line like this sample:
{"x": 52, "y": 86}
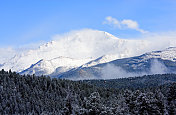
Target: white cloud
{"x": 132, "y": 25}
{"x": 158, "y": 67}
{"x": 124, "y": 24}
{"x": 111, "y": 71}
{"x": 112, "y": 21}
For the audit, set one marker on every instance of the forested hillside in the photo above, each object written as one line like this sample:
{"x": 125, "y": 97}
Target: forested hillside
{"x": 43, "y": 95}
{"x": 133, "y": 83}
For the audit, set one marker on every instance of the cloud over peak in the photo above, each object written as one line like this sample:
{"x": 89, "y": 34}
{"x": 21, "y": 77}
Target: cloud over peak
{"x": 124, "y": 24}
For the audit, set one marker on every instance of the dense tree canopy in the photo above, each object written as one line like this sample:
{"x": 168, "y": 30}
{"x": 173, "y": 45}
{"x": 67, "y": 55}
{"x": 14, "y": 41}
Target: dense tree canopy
{"x": 30, "y": 94}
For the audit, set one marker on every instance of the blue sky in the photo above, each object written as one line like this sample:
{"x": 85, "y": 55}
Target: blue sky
{"x": 32, "y": 21}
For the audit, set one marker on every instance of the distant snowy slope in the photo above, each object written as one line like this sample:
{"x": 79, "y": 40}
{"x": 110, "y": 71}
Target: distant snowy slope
{"x": 54, "y": 66}
{"x": 167, "y": 54}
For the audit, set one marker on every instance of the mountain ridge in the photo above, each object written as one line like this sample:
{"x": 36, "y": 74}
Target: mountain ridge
{"x": 148, "y": 63}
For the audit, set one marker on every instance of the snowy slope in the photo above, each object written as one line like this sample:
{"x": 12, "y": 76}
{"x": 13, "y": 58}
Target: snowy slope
{"x": 156, "y": 62}
{"x": 100, "y": 60}
{"x": 167, "y": 54}
{"x": 54, "y": 66}
{"x": 61, "y": 64}
{"x": 82, "y": 45}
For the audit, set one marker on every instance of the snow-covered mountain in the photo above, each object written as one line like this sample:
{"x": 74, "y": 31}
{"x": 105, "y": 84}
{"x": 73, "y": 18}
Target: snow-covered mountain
{"x": 61, "y": 64}
{"x": 156, "y": 62}
{"x": 74, "y": 49}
